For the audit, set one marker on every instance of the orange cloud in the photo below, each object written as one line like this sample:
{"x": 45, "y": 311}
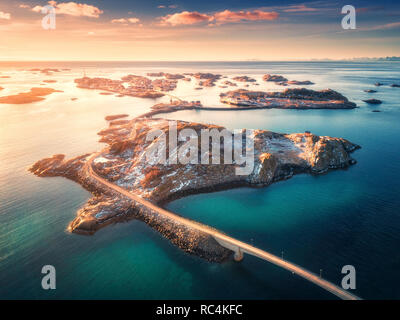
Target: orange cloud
{"x": 123, "y": 20}
{"x": 185, "y": 18}
{"x": 299, "y": 8}
{"x": 236, "y": 16}
{"x": 5, "y": 16}
{"x": 368, "y": 9}
{"x": 393, "y": 25}
{"x": 73, "y": 9}
{"x": 227, "y": 16}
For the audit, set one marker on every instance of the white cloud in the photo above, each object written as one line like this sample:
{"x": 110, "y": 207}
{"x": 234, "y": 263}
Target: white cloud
{"x": 133, "y": 20}
{"x": 5, "y": 16}
{"x": 73, "y": 9}
{"x": 171, "y": 6}
{"x": 123, "y": 20}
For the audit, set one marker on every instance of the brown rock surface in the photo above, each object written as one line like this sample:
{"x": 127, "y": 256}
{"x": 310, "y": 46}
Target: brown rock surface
{"x": 124, "y": 162}
{"x": 244, "y": 79}
{"x": 288, "y": 99}
{"x": 274, "y": 78}
{"x": 34, "y": 95}
{"x": 116, "y": 116}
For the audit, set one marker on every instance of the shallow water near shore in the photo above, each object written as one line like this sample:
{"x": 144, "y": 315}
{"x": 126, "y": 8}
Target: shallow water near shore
{"x": 319, "y": 222}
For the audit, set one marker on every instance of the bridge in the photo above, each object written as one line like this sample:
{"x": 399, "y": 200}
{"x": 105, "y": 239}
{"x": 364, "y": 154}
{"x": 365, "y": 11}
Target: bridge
{"x": 237, "y": 246}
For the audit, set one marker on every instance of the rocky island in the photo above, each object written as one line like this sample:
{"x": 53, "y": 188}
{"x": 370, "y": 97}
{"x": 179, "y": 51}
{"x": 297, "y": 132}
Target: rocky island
{"x": 206, "y": 79}
{"x": 47, "y": 71}
{"x": 116, "y": 116}
{"x": 288, "y": 99}
{"x": 170, "y": 76}
{"x": 123, "y": 165}
{"x": 130, "y": 85}
{"x": 373, "y": 101}
{"x": 244, "y": 79}
{"x": 282, "y": 81}
{"x": 34, "y": 95}
{"x": 274, "y": 78}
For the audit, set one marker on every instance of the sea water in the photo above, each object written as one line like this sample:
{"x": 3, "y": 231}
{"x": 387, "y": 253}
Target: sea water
{"x": 344, "y": 217}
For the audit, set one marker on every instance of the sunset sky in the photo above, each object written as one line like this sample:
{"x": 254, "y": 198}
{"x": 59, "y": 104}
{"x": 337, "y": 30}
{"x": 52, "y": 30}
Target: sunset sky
{"x": 197, "y": 30}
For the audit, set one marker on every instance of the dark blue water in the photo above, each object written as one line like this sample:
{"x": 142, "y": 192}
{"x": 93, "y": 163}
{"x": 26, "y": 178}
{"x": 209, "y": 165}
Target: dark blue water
{"x": 320, "y": 222}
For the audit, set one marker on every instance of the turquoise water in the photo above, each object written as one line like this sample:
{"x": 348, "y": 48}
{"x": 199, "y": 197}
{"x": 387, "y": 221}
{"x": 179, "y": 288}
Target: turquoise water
{"x": 320, "y": 222}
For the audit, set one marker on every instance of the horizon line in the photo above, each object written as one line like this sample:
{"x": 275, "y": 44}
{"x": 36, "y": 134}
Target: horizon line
{"x": 217, "y": 60}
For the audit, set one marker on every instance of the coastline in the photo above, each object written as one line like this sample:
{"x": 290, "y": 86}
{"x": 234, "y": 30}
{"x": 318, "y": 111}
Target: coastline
{"x": 320, "y": 207}
{"x": 86, "y": 223}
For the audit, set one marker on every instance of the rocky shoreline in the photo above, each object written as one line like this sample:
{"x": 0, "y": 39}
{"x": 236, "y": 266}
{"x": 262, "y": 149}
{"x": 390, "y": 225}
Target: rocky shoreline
{"x": 277, "y": 157}
{"x": 282, "y": 81}
{"x": 288, "y": 99}
{"x": 34, "y": 95}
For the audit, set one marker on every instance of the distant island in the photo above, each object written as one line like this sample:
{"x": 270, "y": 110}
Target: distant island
{"x": 288, "y": 99}
{"x": 34, "y": 95}
{"x": 394, "y": 58}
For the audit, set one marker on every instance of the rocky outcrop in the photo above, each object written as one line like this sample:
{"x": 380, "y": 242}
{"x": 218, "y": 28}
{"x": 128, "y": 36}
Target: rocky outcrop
{"x": 125, "y": 162}
{"x": 116, "y": 116}
{"x": 282, "y": 81}
{"x": 206, "y": 79}
{"x": 155, "y": 74}
{"x": 34, "y": 95}
{"x": 244, "y": 79}
{"x": 46, "y": 71}
{"x": 274, "y": 78}
{"x": 137, "y": 86}
{"x": 300, "y": 83}
{"x": 169, "y": 76}
{"x": 176, "y": 105}
{"x": 289, "y": 99}
{"x": 172, "y": 76}
{"x": 373, "y": 101}
{"x": 58, "y": 166}
{"x": 229, "y": 83}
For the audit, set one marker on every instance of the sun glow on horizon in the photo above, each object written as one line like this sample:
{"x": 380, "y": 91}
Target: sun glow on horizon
{"x": 91, "y": 32}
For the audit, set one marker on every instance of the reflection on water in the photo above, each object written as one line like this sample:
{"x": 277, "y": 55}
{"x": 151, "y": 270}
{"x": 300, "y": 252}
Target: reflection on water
{"x": 343, "y": 217}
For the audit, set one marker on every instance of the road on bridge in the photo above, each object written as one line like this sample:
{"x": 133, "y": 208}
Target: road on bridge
{"x": 225, "y": 240}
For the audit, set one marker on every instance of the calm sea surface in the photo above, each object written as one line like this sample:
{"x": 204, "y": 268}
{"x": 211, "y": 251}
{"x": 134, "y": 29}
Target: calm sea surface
{"x": 319, "y": 222}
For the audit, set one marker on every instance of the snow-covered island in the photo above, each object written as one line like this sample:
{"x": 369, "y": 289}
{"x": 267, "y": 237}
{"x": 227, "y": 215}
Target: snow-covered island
{"x": 123, "y": 163}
